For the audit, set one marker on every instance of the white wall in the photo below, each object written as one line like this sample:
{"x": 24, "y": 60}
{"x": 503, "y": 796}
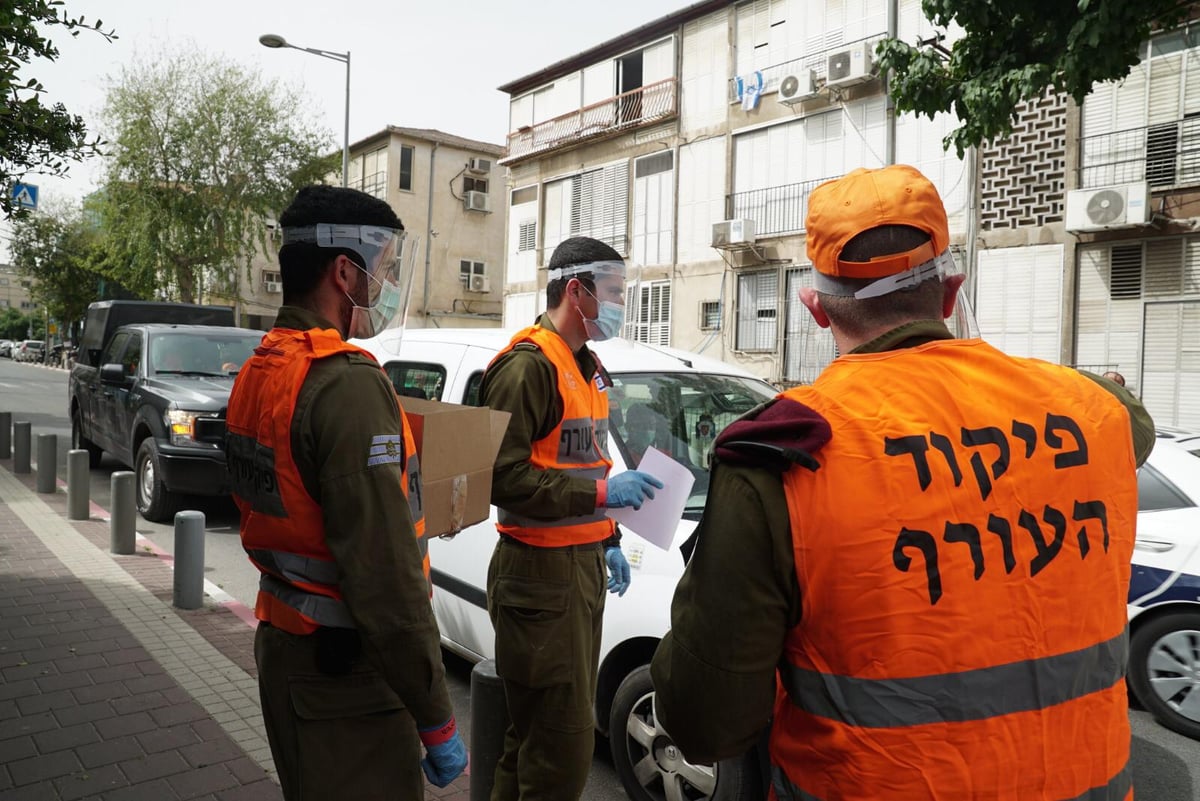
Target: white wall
{"x": 701, "y": 198}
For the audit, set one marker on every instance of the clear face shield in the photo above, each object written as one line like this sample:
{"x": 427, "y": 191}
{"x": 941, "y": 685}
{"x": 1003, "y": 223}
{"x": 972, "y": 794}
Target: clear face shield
{"x": 390, "y": 257}
{"x": 612, "y": 280}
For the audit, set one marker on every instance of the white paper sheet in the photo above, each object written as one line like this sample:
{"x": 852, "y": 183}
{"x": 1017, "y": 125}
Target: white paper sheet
{"x": 658, "y": 518}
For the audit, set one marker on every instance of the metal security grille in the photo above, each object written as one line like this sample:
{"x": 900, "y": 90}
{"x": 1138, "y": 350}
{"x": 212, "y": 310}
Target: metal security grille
{"x": 807, "y": 348}
{"x": 757, "y": 311}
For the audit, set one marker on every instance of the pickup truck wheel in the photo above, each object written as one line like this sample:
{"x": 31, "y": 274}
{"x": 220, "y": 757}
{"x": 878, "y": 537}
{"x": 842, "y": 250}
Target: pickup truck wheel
{"x": 81, "y": 443}
{"x": 156, "y": 503}
{"x": 651, "y": 767}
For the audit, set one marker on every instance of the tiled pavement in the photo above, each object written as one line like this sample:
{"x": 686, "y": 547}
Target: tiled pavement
{"x": 106, "y": 690}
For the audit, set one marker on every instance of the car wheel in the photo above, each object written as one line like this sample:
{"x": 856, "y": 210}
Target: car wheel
{"x": 156, "y": 503}
{"x": 81, "y": 443}
{"x": 651, "y": 767}
{"x": 1164, "y": 670}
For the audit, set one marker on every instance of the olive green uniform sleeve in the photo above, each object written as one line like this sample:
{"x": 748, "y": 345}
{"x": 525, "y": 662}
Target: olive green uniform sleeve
{"x": 714, "y": 672}
{"x": 345, "y": 403}
{"x": 1139, "y": 418}
{"x": 523, "y": 383}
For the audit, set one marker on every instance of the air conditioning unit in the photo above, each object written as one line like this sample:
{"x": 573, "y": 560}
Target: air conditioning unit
{"x": 851, "y": 66}
{"x": 480, "y": 283}
{"x": 798, "y": 87}
{"x": 477, "y": 201}
{"x": 274, "y": 287}
{"x": 479, "y": 166}
{"x": 1106, "y": 207}
{"x": 732, "y": 232}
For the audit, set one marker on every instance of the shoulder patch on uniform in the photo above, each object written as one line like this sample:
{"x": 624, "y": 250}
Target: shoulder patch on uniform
{"x": 386, "y": 449}
{"x": 529, "y": 346}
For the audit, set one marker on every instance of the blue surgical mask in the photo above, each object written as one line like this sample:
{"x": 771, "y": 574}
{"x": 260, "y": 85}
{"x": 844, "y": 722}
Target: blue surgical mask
{"x": 366, "y": 322}
{"x": 608, "y": 323}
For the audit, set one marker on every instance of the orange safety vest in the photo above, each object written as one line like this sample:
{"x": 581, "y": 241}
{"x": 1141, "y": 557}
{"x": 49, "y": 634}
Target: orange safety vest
{"x": 282, "y": 526}
{"x": 578, "y": 445}
{"x": 963, "y": 558}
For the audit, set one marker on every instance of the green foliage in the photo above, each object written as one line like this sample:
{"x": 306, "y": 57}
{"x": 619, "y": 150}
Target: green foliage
{"x": 35, "y": 137}
{"x": 202, "y": 151}
{"x": 58, "y": 252}
{"x": 1014, "y": 50}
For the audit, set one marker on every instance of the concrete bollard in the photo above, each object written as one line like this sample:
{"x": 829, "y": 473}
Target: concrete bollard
{"x": 47, "y": 472}
{"x": 79, "y": 485}
{"x": 5, "y": 435}
{"x": 489, "y": 722}
{"x": 189, "y": 560}
{"x": 122, "y": 536}
{"x": 22, "y": 440}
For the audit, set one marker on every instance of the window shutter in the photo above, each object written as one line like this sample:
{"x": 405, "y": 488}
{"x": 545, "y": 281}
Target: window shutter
{"x": 1164, "y": 267}
{"x": 1166, "y": 74}
{"x": 1171, "y": 366}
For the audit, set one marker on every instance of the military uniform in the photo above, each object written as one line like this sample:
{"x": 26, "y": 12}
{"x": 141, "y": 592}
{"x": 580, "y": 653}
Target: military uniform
{"x": 546, "y": 603}
{"x": 727, "y": 653}
{"x": 342, "y": 706}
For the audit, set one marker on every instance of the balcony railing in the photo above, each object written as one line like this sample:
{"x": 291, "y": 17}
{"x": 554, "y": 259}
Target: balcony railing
{"x": 643, "y": 106}
{"x": 775, "y": 210}
{"x": 1164, "y": 156}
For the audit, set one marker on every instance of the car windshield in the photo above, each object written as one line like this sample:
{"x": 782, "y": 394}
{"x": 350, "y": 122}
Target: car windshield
{"x": 680, "y": 414}
{"x": 219, "y": 353}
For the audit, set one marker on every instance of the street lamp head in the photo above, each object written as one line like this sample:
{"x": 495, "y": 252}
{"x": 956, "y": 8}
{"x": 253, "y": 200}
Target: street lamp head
{"x": 272, "y": 40}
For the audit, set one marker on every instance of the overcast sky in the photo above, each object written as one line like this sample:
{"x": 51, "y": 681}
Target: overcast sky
{"x": 430, "y": 64}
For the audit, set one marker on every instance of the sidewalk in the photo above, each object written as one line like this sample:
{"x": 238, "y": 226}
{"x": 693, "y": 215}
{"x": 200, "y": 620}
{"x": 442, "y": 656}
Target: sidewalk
{"x": 106, "y": 690}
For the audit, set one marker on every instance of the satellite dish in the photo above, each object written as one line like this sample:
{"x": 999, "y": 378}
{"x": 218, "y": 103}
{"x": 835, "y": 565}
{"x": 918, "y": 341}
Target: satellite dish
{"x": 1106, "y": 206}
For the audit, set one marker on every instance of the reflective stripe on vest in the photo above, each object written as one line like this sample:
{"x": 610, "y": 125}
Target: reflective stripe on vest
{"x": 295, "y": 568}
{"x": 323, "y": 609}
{"x": 410, "y": 483}
{"x": 965, "y": 505}
{"x": 959, "y": 697}
{"x": 577, "y": 446}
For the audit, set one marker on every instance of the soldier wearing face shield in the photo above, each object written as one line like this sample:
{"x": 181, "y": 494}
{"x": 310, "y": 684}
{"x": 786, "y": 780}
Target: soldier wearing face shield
{"x": 347, "y": 648}
{"x": 546, "y": 583}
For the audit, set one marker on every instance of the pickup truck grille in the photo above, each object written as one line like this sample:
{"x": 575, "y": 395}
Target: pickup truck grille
{"x": 210, "y": 429}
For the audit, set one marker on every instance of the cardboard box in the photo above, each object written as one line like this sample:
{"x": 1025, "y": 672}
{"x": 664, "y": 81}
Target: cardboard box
{"x": 458, "y": 446}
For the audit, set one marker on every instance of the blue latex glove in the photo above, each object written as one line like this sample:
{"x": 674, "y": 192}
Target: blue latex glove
{"x": 445, "y": 761}
{"x": 618, "y": 570}
{"x": 630, "y": 489}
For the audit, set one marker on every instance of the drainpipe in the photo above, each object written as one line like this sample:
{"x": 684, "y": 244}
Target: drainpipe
{"x": 428, "y": 240}
{"x": 972, "y": 222}
{"x": 890, "y": 109}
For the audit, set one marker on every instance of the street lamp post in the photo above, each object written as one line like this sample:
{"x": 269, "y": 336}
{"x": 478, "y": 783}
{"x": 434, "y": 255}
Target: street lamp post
{"x": 275, "y": 41}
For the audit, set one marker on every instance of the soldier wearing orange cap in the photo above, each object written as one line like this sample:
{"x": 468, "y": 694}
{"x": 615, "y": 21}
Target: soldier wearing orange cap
{"x": 889, "y": 569}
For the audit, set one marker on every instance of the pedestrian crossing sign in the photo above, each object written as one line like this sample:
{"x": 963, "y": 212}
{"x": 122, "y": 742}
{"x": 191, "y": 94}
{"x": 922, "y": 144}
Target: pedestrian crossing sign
{"x": 25, "y": 196}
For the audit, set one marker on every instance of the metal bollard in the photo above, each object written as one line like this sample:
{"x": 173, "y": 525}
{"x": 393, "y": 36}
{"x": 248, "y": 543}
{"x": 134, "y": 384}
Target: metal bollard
{"x": 5, "y": 435}
{"x": 22, "y": 440}
{"x": 489, "y": 722}
{"x": 189, "y": 560}
{"x": 79, "y": 485}
{"x": 122, "y": 536}
{"x": 47, "y": 473}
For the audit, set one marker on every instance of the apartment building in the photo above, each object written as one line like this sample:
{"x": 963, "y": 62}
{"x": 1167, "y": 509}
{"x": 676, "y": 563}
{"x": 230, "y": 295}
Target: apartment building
{"x": 448, "y": 192}
{"x": 14, "y": 292}
{"x": 691, "y": 144}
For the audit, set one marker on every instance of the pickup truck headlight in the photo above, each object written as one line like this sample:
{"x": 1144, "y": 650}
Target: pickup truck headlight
{"x": 181, "y": 426}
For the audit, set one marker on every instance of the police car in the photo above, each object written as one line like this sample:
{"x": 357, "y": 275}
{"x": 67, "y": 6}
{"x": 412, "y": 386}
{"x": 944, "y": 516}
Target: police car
{"x": 1164, "y": 591}
{"x": 674, "y": 401}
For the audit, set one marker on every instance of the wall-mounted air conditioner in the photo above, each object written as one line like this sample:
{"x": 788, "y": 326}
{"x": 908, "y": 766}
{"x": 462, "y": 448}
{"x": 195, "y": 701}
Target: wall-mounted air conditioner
{"x": 477, "y": 201}
{"x": 479, "y": 166}
{"x": 273, "y": 286}
{"x": 1107, "y": 207}
{"x": 798, "y": 87}
{"x": 479, "y": 283}
{"x": 850, "y": 66}
{"x": 733, "y": 232}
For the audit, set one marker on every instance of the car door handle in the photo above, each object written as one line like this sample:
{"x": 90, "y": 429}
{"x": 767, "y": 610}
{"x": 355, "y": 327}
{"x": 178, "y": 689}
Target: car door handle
{"x": 1154, "y": 546}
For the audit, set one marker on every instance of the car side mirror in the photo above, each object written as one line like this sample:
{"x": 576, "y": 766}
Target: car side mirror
{"x": 112, "y": 374}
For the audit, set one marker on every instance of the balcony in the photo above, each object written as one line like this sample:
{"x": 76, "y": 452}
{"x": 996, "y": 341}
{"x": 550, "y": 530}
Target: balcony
{"x": 642, "y": 106}
{"x": 1164, "y": 156}
{"x": 775, "y": 210}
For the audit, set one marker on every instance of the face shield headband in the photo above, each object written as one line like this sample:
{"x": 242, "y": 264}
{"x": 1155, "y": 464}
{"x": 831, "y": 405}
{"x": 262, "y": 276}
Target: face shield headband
{"x": 939, "y": 267}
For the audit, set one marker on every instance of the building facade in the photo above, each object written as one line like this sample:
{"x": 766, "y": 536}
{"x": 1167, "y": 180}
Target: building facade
{"x": 14, "y": 293}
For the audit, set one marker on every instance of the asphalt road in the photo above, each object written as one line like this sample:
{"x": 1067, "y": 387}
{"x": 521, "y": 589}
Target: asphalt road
{"x": 1166, "y": 765}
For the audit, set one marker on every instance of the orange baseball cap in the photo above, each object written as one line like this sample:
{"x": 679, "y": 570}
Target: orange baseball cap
{"x": 843, "y": 208}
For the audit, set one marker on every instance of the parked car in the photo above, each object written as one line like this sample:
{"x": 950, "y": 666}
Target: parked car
{"x": 673, "y": 400}
{"x": 6, "y": 346}
{"x": 30, "y": 350}
{"x": 1164, "y": 592}
{"x": 1185, "y": 437}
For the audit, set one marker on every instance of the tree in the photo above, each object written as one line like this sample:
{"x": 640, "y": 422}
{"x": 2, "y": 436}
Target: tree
{"x": 57, "y": 251}
{"x": 35, "y": 137}
{"x": 1012, "y": 51}
{"x": 202, "y": 152}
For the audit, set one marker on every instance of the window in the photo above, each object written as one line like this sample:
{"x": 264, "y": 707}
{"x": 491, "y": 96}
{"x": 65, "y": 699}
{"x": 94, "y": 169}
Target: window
{"x": 3, "y": 282}
{"x": 132, "y": 356}
{"x": 417, "y": 379}
{"x": 648, "y": 314}
{"x": 1126, "y": 272}
{"x": 468, "y": 268}
{"x": 271, "y": 276}
{"x": 527, "y": 236}
{"x": 1155, "y": 493}
{"x": 757, "y": 311}
{"x": 471, "y": 393}
{"x": 599, "y": 205}
{"x": 526, "y": 194}
{"x": 370, "y": 176}
{"x": 113, "y": 352}
{"x": 654, "y": 208}
{"x": 475, "y": 184}
{"x": 406, "y": 167}
{"x": 3, "y": 303}
{"x": 710, "y": 315}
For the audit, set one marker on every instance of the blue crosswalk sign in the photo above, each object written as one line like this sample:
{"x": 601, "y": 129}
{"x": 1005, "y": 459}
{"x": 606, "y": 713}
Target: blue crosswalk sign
{"x": 25, "y": 196}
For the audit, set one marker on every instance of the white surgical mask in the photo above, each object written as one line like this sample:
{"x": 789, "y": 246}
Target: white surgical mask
{"x": 609, "y": 320}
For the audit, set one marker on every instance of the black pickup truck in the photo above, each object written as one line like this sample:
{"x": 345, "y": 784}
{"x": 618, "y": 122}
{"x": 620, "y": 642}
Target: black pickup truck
{"x": 153, "y": 395}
